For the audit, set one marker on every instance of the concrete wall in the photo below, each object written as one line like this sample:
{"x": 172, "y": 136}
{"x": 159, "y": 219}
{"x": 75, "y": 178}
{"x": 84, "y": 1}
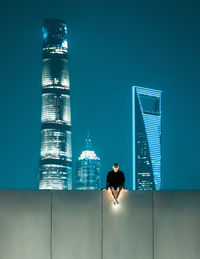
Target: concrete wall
{"x": 177, "y": 225}
{"x": 85, "y": 224}
{"x": 25, "y": 220}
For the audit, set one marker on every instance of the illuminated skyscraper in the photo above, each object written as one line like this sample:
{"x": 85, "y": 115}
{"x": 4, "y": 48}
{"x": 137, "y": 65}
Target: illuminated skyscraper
{"x": 146, "y": 138}
{"x": 88, "y": 168}
{"x": 56, "y": 154}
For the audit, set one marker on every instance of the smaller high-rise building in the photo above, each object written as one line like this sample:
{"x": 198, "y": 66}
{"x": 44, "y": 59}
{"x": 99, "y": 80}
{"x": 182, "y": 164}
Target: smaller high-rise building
{"x": 88, "y": 168}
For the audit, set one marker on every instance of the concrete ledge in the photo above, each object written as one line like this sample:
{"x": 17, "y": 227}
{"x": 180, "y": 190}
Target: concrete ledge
{"x": 85, "y": 225}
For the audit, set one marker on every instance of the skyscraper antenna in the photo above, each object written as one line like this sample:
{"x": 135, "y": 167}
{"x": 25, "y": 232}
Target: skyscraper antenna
{"x": 88, "y": 142}
{"x": 88, "y": 134}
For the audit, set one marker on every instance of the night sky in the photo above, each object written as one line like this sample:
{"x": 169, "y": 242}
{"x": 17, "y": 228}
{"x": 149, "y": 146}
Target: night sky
{"x": 112, "y": 46}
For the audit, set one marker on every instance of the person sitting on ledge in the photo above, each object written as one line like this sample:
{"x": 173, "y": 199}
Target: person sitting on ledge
{"x": 115, "y": 181}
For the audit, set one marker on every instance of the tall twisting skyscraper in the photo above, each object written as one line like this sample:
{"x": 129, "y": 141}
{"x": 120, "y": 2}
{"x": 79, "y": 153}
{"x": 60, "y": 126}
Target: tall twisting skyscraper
{"x": 56, "y": 155}
{"x": 146, "y": 139}
{"x": 88, "y": 168}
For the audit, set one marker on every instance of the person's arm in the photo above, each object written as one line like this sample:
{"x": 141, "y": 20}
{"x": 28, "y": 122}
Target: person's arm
{"x": 108, "y": 181}
{"x": 123, "y": 180}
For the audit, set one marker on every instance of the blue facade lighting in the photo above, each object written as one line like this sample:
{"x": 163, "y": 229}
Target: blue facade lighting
{"x": 146, "y": 104}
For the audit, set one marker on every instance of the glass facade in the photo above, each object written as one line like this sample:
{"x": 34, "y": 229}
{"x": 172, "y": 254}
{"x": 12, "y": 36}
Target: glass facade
{"x": 88, "y": 169}
{"x": 56, "y": 155}
{"x": 146, "y": 138}
{"x": 56, "y": 108}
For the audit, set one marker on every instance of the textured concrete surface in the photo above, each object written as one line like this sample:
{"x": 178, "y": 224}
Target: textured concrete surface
{"x": 177, "y": 225}
{"x": 85, "y": 224}
{"x": 25, "y": 224}
{"x": 76, "y": 221}
{"x": 127, "y": 230}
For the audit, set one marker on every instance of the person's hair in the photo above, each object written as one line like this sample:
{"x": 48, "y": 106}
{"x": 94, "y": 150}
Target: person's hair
{"x": 116, "y": 165}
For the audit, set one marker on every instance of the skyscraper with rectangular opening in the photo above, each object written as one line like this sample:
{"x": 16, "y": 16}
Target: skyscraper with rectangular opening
{"x": 55, "y": 170}
{"x": 146, "y": 110}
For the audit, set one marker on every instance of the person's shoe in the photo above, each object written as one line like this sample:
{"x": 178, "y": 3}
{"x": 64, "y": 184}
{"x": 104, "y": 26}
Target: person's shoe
{"x": 117, "y": 201}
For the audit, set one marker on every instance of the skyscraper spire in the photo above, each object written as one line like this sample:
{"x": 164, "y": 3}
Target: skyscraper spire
{"x": 88, "y": 142}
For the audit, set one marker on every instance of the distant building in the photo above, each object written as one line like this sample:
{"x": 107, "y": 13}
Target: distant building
{"x": 55, "y": 170}
{"x": 146, "y": 138}
{"x": 88, "y": 169}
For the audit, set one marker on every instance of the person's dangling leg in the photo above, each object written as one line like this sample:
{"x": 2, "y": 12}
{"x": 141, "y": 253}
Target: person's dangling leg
{"x": 119, "y": 190}
{"x": 111, "y": 188}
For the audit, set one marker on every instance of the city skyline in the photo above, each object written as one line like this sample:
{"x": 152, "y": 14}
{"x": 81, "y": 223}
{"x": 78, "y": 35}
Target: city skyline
{"x": 112, "y": 46}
